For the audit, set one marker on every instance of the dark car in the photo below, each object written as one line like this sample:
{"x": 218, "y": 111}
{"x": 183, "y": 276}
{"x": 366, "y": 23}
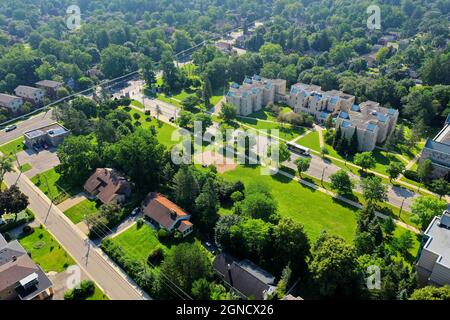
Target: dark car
{"x": 172, "y": 119}
{"x": 10, "y": 128}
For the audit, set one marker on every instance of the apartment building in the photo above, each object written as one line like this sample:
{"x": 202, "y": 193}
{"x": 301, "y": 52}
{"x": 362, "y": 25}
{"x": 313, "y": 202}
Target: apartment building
{"x": 255, "y": 93}
{"x": 438, "y": 151}
{"x": 12, "y": 103}
{"x": 31, "y": 94}
{"x": 433, "y": 266}
{"x": 372, "y": 122}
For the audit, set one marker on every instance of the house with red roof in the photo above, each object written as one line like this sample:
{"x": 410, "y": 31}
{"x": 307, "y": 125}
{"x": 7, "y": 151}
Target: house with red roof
{"x": 108, "y": 185}
{"x": 167, "y": 215}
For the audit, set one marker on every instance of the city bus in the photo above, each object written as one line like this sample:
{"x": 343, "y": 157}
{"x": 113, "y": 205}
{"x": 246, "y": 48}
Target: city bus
{"x": 296, "y": 148}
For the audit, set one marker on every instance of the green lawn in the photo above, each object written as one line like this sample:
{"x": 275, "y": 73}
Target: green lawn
{"x": 383, "y": 159}
{"x": 26, "y": 167}
{"x": 138, "y": 242}
{"x": 315, "y": 210}
{"x": 137, "y": 104}
{"x": 53, "y": 186}
{"x": 13, "y": 147}
{"x": 286, "y": 131}
{"x": 310, "y": 140}
{"x": 416, "y": 242}
{"x": 83, "y": 209}
{"x": 46, "y": 251}
{"x": 98, "y": 295}
{"x": 164, "y": 130}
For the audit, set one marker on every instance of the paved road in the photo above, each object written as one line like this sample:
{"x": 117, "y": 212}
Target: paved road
{"x": 113, "y": 282}
{"x": 40, "y": 120}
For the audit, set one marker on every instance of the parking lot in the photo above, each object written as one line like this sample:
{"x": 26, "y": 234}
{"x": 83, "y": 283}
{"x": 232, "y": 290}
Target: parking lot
{"x": 40, "y": 161}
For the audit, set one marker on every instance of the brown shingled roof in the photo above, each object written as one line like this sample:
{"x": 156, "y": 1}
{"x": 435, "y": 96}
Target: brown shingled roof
{"x": 106, "y": 183}
{"x": 164, "y": 211}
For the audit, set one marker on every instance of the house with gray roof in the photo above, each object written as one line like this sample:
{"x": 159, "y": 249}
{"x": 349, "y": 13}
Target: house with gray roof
{"x": 51, "y": 87}
{"x": 433, "y": 266}
{"x": 438, "y": 151}
{"x": 20, "y": 277}
{"x": 244, "y": 277}
{"x": 12, "y": 103}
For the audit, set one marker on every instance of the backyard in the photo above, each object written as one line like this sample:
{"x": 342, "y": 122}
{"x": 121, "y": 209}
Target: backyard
{"x": 46, "y": 251}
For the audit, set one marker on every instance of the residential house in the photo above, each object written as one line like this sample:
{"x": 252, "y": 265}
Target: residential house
{"x": 438, "y": 151}
{"x": 167, "y": 215}
{"x": 51, "y": 135}
{"x": 33, "y": 95}
{"x": 51, "y": 87}
{"x": 224, "y": 47}
{"x": 108, "y": 185}
{"x": 12, "y": 103}
{"x": 244, "y": 277}
{"x": 20, "y": 277}
{"x": 433, "y": 266}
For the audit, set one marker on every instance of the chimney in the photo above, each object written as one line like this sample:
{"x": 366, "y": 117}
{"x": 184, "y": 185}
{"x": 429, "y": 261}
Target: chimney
{"x": 14, "y": 258}
{"x": 173, "y": 214}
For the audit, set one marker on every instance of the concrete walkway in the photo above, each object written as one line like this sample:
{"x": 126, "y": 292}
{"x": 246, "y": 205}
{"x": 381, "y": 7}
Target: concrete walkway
{"x": 73, "y": 201}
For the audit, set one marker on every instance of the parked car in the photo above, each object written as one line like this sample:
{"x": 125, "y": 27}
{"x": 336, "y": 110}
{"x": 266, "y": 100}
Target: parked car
{"x": 10, "y": 128}
{"x": 135, "y": 211}
{"x": 172, "y": 119}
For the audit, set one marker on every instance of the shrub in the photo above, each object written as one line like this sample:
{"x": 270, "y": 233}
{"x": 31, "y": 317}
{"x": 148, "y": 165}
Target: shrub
{"x": 163, "y": 234}
{"x": 156, "y": 256}
{"x": 411, "y": 175}
{"x": 85, "y": 289}
{"x": 140, "y": 223}
{"x": 136, "y": 116}
{"x": 7, "y": 236}
{"x": 236, "y": 196}
{"x": 26, "y": 230}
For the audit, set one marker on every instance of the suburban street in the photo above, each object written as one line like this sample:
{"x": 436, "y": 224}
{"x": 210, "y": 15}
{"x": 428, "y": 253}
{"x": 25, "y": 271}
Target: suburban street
{"x": 40, "y": 120}
{"x": 114, "y": 282}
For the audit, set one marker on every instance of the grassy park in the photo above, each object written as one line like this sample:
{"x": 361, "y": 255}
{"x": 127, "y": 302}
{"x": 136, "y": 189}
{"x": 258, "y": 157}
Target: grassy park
{"x": 13, "y": 147}
{"x": 82, "y": 210}
{"x": 51, "y": 183}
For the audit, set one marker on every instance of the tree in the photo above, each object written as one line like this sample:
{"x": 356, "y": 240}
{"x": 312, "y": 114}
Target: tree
{"x": 250, "y": 238}
{"x": 425, "y": 208}
{"x": 324, "y": 151}
{"x": 201, "y": 289}
{"x": 205, "y": 120}
{"x": 259, "y": 206}
{"x": 431, "y": 293}
{"x": 116, "y": 61}
{"x": 404, "y": 243}
{"x": 291, "y": 245}
{"x": 207, "y": 206}
{"x": 365, "y": 160}
{"x": 185, "y": 264}
{"x": 6, "y": 165}
{"x": 394, "y": 169}
{"x": 341, "y": 182}
{"x": 302, "y": 165}
{"x": 141, "y": 157}
{"x": 441, "y": 187}
{"x": 389, "y": 226}
{"x": 424, "y": 170}
{"x": 148, "y": 72}
{"x": 373, "y": 189}
{"x": 85, "y": 105}
{"x": 13, "y": 201}
{"x": 334, "y": 268}
{"x": 206, "y": 92}
{"x": 222, "y": 230}
{"x": 228, "y": 112}
{"x": 190, "y": 102}
{"x": 78, "y": 157}
{"x": 185, "y": 188}
{"x": 353, "y": 147}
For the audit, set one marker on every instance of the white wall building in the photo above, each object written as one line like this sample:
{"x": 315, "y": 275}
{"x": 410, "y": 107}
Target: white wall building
{"x": 433, "y": 266}
{"x": 31, "y": 94}
{"x": 10, "y": 102}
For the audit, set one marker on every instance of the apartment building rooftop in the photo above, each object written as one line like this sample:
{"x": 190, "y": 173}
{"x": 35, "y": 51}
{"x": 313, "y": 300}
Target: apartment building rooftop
{"x": 439, "y": 238}
{"x": 6, "y": 99}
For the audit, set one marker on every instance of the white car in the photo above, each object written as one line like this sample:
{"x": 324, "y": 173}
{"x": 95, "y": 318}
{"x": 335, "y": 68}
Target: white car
{"x": 135, "y": 211}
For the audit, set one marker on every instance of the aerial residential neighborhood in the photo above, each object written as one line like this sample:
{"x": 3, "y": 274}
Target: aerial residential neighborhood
{"x": 250, "y": 152}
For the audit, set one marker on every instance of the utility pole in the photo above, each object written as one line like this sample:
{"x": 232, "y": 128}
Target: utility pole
{"x": 323, "y": 173}
{"x": 401, "y": 208}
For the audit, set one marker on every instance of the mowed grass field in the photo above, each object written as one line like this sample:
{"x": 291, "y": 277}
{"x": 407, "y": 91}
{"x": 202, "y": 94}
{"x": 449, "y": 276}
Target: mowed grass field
{"x": 13, "y": 147}
{"x": 81, "y": 210}
{"x": 314, "y": 209}
{"x": 46, "y": 251}
{"x": 138, "y": 242}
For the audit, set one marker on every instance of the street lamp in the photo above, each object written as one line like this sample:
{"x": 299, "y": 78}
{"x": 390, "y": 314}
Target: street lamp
{"x": 323, "y": 173}
{"x": 401, "y": 208}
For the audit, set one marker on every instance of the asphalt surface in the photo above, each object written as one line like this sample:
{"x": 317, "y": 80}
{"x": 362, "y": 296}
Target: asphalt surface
{"x": 40, "y": 120}
{"x": 110, "y": 279}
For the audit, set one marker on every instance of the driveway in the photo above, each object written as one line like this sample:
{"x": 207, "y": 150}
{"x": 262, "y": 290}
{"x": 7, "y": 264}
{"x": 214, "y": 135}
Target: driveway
{"x": 40, "y": 162}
